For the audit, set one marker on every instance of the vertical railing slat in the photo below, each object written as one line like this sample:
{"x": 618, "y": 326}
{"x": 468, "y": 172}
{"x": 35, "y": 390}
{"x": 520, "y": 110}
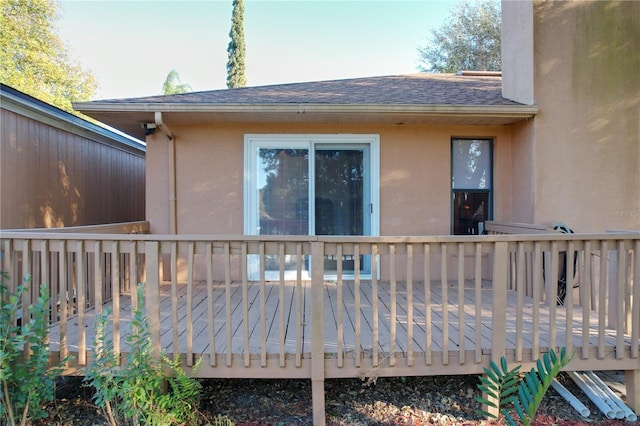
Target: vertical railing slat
{"x": 568, "y": 300}
{"x": 444, "y": 288}
{"x": 281, "y": 305}
{"x": 393, "y": 312}
{"x": 520, "y": 288}
{"x": 586, "y": 285}
{"x": 190, "y": 255}
{"x": 210, "y": 305}
{"x": 602, "y": 298}
{"x": 461, "y": 322}
{"x": 45, "y": 278}
{"x": 115, "y": 296}
{"x": 152, "y": 293}
{"x": 621, "y": 278}
{"x": 263, "y": 308}
{"x": 537, "y": 293}
{"x": 7, "y": 255}
{"x": 299, "y": 305}
{"x": 82, "y": 332}
{"x": 478, "y": 303}
{"x": 133, "y": 274}
{"x": 28, "y": 282}
{"x": 340, "y": 308}
{"x": 410, "y": 355}
{"x": 358, "y": 311}
{"x": 553, "y": 295}
{"x": 54, "y": 276}
{"x": 427, "y": 304}
{"x": 498, "y": 333}
{"x": 628, "y": 292}
{"x": 64, "y": 306}
{"x": 97, "y": 276}
{"x": 245, "y": 303}
{"x": 375, "y": 303}
{"x": 227, "y": 300}
{"x": 175, "y": 344}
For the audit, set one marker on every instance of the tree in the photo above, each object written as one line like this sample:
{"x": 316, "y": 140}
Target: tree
{"x": 34, "y": 60}
{"x": 172, "y": 85}
{"x": 235, "y": 65}
{"x": 468, "y": 40}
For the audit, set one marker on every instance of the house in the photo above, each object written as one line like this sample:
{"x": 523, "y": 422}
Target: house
{"x": 59, "y": 170}
{"x": 336, "y": 229}
{"x": 555, "y": 139}
{"x": 397, "y": 155}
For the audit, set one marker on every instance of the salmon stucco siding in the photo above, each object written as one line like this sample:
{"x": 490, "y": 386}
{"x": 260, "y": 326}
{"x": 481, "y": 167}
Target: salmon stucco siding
{"x": 415, "y": 175}
{"x": 584, "y": 156}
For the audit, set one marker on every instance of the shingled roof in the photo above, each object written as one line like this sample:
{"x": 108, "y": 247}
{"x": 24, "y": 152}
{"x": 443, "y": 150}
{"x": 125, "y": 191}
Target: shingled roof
{"x": 424, "y": 98}
{"x": 414, "y": 89}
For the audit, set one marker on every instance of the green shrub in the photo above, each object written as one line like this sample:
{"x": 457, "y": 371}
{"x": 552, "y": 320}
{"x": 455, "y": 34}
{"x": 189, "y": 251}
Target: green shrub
{"x": 27, "y": 381}
{"x": 133, "y": 393}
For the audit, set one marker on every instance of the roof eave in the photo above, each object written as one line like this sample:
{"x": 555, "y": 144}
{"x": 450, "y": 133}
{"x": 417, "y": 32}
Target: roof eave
{"x": 129, "y": 117}
{"x": 516, "y": 110}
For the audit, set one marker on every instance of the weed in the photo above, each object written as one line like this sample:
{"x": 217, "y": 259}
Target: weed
{"x": 27, "y": 381}
{"x": 133, "y": 393}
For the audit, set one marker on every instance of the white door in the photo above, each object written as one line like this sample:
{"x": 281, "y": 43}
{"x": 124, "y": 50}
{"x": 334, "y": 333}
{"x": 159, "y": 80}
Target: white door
{"x": 311, "y": 185}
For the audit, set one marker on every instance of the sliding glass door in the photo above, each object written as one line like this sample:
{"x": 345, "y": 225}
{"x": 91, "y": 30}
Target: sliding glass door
{"x": 312, "y": 185}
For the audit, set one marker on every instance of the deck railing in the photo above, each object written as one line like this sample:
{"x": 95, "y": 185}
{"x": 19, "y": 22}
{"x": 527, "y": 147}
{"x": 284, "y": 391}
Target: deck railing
{"x": 271, "y": 306}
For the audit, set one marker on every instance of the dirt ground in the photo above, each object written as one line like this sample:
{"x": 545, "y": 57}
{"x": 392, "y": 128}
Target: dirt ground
{"x": 445, "y": 400}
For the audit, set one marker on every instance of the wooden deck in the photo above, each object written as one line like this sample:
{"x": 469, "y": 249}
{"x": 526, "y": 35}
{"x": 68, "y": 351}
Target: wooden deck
{"x": 403, "y": 329}
{"x": 486, "y": 297}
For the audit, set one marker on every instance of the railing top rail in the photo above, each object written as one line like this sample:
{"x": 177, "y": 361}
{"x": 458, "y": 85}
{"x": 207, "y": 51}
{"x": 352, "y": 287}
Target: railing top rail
{"x": 516, "y": 228}
{"x": 11, "y": 234}
{"x": 137, "y": 227}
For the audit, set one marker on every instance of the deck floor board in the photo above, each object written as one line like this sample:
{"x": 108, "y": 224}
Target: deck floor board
{"x": 270, "y": 326}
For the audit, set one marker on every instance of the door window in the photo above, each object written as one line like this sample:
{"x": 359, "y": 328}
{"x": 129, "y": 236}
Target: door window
{"x": 471, "y": 183}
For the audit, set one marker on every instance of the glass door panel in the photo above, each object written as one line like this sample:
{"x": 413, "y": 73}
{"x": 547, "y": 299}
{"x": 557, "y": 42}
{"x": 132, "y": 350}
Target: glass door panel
{"x": 340, "y": 199}
{"x": 283, "y": 187}
{"x": 339, "y": 192}
{"x": 283, "y": 206}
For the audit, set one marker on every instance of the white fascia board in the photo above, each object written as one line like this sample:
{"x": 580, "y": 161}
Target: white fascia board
{"x": 475, "y": 110}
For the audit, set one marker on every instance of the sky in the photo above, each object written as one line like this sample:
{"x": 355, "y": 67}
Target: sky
{"x": 131, "y": 46}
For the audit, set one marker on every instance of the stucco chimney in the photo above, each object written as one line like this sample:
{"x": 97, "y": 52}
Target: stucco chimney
{"x": 517, "y": 50}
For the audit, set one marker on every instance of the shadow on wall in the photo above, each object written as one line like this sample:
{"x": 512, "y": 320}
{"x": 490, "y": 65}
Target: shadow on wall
{"x": 59, "y": 203}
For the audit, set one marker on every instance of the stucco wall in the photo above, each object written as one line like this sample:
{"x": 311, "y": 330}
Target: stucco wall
{"x": 587, "y": 134}
{"x": 517, "y": 50}
{"x": 415, "y": 181}
{"x": 523, "y": 166}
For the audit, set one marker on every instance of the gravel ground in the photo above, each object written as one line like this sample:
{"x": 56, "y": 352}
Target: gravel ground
{"x": 446, "y": 400}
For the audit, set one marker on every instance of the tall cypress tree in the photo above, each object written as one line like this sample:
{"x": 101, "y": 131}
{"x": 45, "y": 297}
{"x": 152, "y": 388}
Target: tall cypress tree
{"x": 235, "y": 65}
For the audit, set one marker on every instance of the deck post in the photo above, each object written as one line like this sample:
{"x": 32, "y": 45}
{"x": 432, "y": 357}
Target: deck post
{"x": 317, "y": 332}
{"x": 152, "y": 293}
{"x": 500, "y": 268}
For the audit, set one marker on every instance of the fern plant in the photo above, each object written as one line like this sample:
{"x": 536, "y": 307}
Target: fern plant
{"x": 523, "y": 393}
{"x": 500, "y": 384}
{"x": 133, "y": 393}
